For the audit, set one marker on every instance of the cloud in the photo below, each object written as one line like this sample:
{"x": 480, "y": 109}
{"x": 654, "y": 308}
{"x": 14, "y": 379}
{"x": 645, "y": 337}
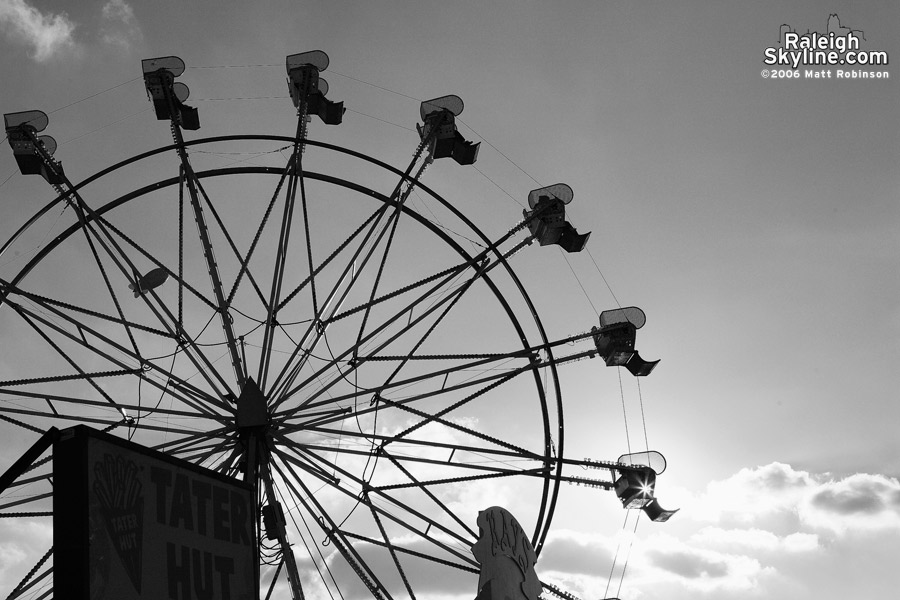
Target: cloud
{"x": 777, "y": 492}
{"x": 691, "y": 565}
{"x": 861, "y": 502}
{"x": 119, "y": 27}
{"x": 47, "y": 34}
{"x": 754, "y": 540}
{"x": 576, "y": 553}
{"x": 23, "y": 542}
{"x": 751, "y": 494}
{"x": 766, "y": 531}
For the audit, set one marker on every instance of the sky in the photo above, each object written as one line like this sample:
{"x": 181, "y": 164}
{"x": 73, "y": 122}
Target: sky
{"x": 754, "y": 218}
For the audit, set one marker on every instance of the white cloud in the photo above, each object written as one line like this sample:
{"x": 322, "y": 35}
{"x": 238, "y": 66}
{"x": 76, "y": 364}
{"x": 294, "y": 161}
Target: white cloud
{"x": 860, "y": 502}
{"x": 754, "y": 540}
{"x": 47, "y": 34}
{"x": 23, "y": 542}
{"x": 699, "y": 568}
{"x": 119, "y": 27}
{"x": 751, "y": 494}
{"x": 768, "y": 531}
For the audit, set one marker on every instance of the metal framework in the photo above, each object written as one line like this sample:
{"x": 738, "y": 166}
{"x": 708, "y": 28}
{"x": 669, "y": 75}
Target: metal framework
{"x": 380, "y": 365}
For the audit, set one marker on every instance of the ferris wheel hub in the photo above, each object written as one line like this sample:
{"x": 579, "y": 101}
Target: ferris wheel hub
{"x": 251, "y": 407}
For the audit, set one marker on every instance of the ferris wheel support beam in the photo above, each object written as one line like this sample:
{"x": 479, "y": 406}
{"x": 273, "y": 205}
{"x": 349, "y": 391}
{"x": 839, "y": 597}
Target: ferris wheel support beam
{"x": 364, "y": 486}
{"x": 290, "y": 563}
{"x": 501, "y": 454}
{"x": 196, "y": 356}
{"x": 398, "y": 196}
{"x": 43, "y": 149}
{"x": 243, "y": 262}
{"x": 393, "y": 221}
{"x": 56, "y": 177}
{"x": 177, "y": 115}
{"x": 328, "y": 260}
{"x": 453, "y": 299}
{"x": 444, "y": 508}
{"x": 318, "y": 325}
{"x": 94, "y": 349}
{"x": 353, "y": 350}
{"x": 479, "y": 262}
{"x": 293, "y": 171}
{"x": 388, "y": 545}
{"x": 332, "y": 530}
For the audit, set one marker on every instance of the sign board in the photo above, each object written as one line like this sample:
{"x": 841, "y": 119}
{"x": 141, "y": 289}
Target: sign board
{"x": 130, "y": 523}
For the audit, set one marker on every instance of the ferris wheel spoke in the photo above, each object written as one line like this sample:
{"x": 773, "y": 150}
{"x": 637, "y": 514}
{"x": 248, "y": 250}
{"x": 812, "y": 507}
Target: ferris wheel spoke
{"x": 478, "y": 262}
{"x": 48, "y": 477}
{"x": 243, "y": 261}
{"x": 401, "y": 194}
{"x": 468, "y": 568}
{"x": 230, "y": 465}
{"x": 201, "y": 454}
{"x": 440, "y": 375}
{"x": 68, "y": 359}
{"x": 388, "y": 545}
{"x": 329, "y": 259}
{"x": 190, "y": 438}
{"x": 29, "y": 499}
{"x": 332, "y": 530}
{"x": 63, "y": 417}
{"x": 34, "y": 576}
{"x": 143, "y": 252}
{"x": 309, "y": 256}
{"x": 45, "y": 302}
{"x": 95, "y": 349}
{"x": 432, "y": 417}
{"x": 217, "y": 445}
{"x": 484, "y": 472}
{"x": 457, "y": 480}
{"x": 211, "y": 265}
{"x": 196, "y": 356}
{"x": 418, "y": 483}
{"x": 349, "y": 352}
{"x": 318, "y": 327}
{"x": 393, "y": 220}
{"x": 284, "y": 234}
{"x": 109, "y": 287}
{"x": 301, "y": 459}
{"x": 365, "y": 486}
{"x": 449, "y": 299}
{"x": 320, "y": 324}
{"x": 250, "y": 251}
{"x": 51, "y": 398}
{"x": 403, "y": 523}
{"x": 429, "y": 418}
{"x": 498, "y": 453}
{"x": 449, "y": 274}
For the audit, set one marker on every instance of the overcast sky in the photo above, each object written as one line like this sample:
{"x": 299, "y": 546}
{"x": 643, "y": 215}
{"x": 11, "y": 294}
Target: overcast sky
{"x": 754, "y": 219}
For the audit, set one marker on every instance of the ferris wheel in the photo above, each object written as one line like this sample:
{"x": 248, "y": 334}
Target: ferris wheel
{"x": 369, "y": 365}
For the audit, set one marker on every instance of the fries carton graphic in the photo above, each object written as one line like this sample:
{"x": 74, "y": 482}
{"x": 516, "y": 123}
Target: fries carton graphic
{"x": 120, "y": 495}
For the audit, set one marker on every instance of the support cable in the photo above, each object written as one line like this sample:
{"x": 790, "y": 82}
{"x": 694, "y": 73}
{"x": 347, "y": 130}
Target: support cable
{"x": 306, "y": 545}
{"x": 628, "y": 554}
{"x": 387, "y": 542}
